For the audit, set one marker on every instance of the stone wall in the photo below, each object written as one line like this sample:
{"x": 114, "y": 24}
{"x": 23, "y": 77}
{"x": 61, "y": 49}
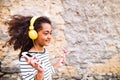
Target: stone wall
{"x": 88, "y": 29}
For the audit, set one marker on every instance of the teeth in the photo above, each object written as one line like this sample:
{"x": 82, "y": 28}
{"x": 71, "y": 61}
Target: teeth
{"x": 48, "y": 40}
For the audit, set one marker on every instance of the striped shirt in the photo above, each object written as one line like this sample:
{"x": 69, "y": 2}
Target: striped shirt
{"x": 28, "y": 72}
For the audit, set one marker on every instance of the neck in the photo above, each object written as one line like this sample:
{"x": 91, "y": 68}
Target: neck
{"x": 37, "y": 48}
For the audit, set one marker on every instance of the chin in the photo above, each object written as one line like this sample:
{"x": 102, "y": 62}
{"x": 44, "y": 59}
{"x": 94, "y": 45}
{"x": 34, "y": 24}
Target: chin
{"x": 47, "y": 44}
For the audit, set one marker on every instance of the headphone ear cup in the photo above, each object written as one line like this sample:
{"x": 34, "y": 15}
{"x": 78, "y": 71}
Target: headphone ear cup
{"x": 32, "y": 34}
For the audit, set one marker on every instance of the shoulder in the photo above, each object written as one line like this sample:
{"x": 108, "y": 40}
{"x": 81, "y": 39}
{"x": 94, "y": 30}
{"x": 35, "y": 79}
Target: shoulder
{"x": 28, "y": 53}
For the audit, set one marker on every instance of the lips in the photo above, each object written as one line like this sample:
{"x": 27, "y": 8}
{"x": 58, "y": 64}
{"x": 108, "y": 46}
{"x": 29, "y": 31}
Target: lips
{"x": 48, "y": 41}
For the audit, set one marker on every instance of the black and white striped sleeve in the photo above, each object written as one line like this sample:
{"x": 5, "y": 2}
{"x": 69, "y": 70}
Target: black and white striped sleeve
{"x": 27, "y": 71}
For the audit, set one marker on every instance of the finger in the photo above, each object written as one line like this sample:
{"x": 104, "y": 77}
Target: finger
{"x": 35, "y": 62}
{"x": 40, "y": 69}
{"x": 61, "y": 62}
{"x": 32, "y": 63}
{"x": 28, "y": 60}
{"x": 34, "y": 57}
{"x": 39, "y": 63}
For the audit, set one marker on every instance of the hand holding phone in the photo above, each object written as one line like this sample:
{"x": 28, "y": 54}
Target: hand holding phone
{"x": 26, "y": 55}
{"x": 31, "y": 58}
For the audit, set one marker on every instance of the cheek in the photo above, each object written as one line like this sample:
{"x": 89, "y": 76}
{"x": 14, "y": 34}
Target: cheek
{"x": 41, "y": 38}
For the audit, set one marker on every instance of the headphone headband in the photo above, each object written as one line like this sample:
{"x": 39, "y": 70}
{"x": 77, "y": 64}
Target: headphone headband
{"x": 32, "y": 33}
{"x": 32, "y": 22}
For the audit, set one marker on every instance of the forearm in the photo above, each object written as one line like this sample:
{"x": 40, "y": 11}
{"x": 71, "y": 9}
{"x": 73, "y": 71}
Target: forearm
{"x": 56, "y": 66}
{"x": 39, "y": 76}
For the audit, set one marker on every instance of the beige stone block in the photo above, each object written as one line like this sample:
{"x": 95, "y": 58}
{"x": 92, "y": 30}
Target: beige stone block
{"x": 68, "y": 71}
{"x": 2, "y": 55}
{"x": 112, "y": 65}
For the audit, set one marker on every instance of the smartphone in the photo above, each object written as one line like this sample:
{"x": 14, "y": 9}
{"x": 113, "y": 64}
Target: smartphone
{"x": 28, "y": 57}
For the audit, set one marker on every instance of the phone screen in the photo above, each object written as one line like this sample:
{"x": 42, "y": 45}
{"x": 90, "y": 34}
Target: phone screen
{"x": 29, "y": 55}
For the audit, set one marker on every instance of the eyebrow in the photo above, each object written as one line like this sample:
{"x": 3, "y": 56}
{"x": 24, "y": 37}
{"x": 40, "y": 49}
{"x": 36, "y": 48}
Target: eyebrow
{"x": 48, "y": 31}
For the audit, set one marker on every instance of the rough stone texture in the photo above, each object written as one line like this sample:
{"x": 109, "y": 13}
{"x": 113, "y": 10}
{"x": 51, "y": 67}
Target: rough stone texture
{"x": 88, "y": 29}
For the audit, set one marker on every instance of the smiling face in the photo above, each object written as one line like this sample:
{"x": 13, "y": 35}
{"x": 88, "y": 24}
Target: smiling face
{"x": 44, "y": 35}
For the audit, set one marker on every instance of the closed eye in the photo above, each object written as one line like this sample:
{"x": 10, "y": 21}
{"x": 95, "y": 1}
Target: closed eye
{"x": 47, "y": 32}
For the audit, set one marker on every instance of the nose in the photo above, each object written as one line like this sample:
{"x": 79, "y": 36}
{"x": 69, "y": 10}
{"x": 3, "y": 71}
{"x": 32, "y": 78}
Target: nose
{"x": 49, "y": 36}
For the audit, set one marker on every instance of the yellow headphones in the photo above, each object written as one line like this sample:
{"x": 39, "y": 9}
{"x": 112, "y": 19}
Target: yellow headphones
{"x": 32, "y": 33}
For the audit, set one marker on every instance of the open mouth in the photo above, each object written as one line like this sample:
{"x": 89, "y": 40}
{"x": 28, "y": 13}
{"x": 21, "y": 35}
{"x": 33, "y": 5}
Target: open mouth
{"x": 48, "y": 41}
